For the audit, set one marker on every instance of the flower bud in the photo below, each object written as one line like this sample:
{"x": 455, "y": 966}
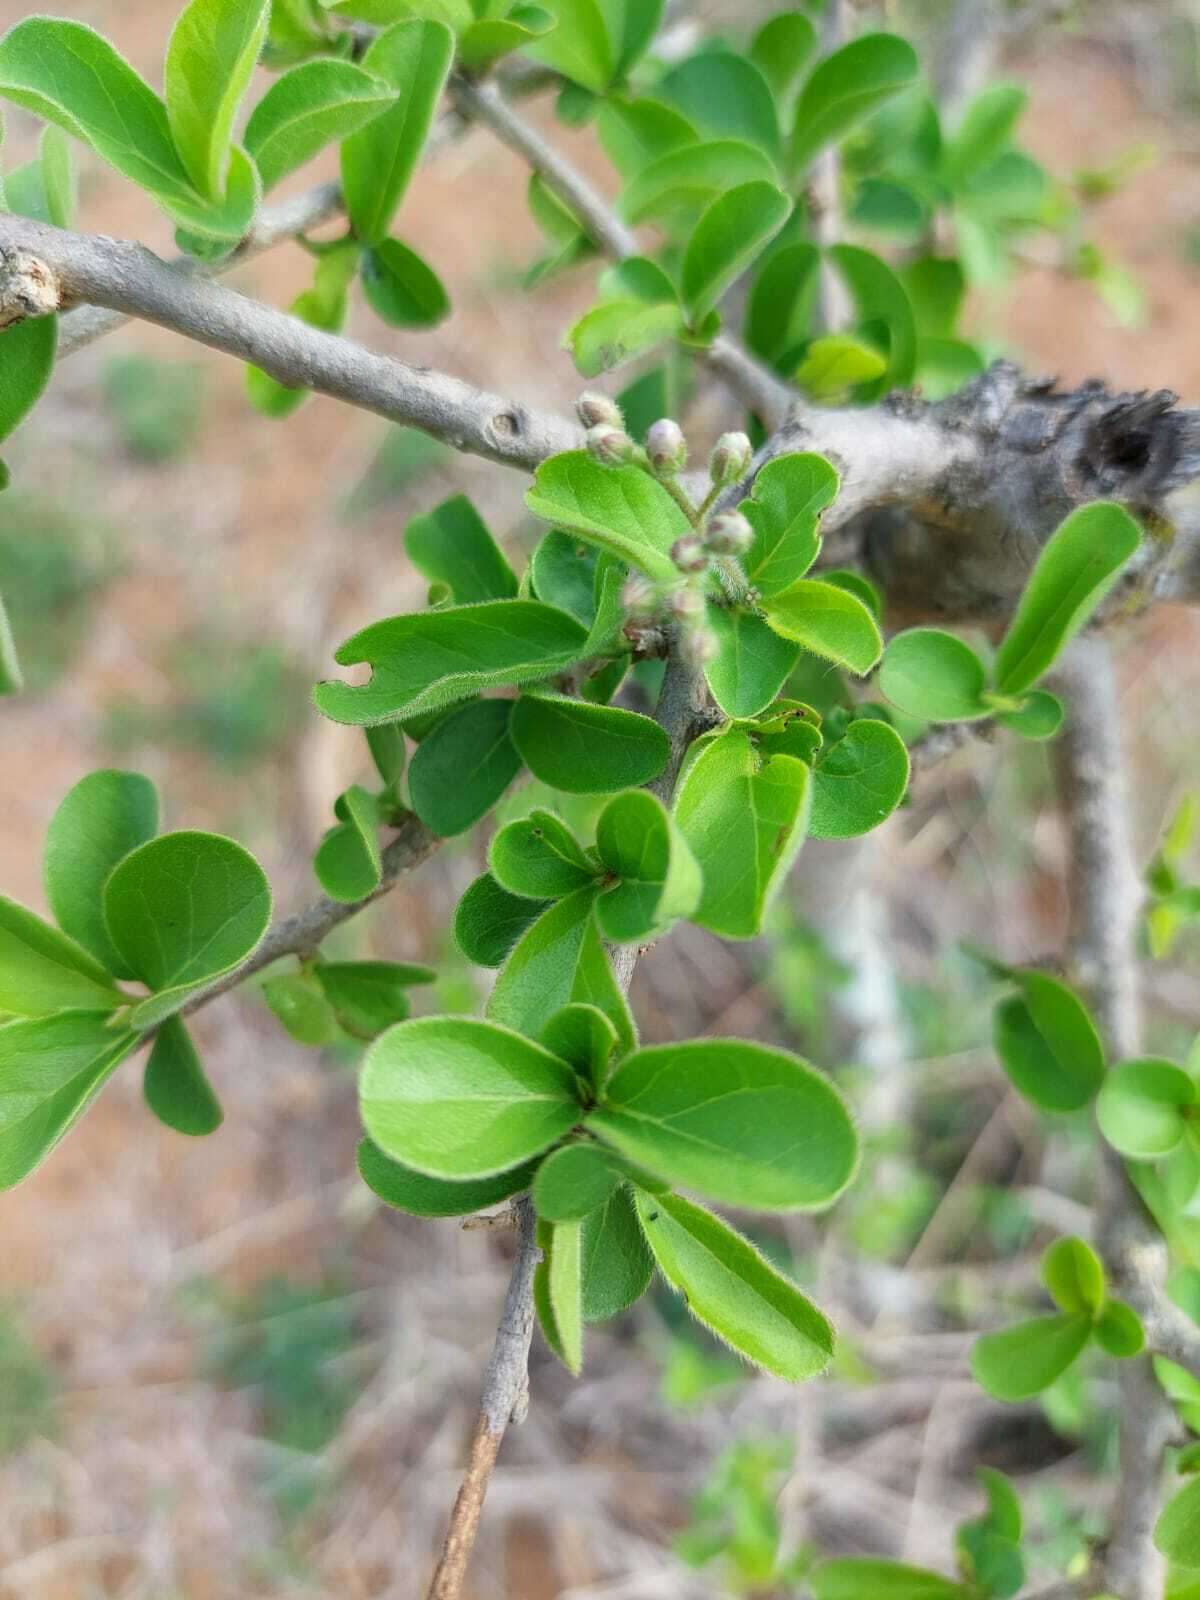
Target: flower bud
{"x": 667, "y": 448}
{"x": 688, "y": 554}
{"x": 686, "y": 604}
{"x": 594, "y": 409}
{"x": 730, "y": 459}
{"x": 609, "y": 445}
{"x": 639, "y": 600}
{"x": 728, "y": 534}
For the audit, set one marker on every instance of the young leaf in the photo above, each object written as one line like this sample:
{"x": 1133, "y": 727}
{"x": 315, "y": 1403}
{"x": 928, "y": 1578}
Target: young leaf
{"x": 98, "y": 822}
{"x": 658, "y": 879}
{"x": 1039, "y": 718}
{"x": 58, "y": 177}
{"x": 621, "y": 509}
{"x": 1021, "y": 1361}
{"x": 451, "y": 545}
{"x": 1074, "y": 1275}
{"x": 540, "y": 857}
{"x": 369, "y": 996}
{"x": 315, "y": 104}
{"x": 587, "y": 749}
{"x": 616, "y": 1260}
{"x": 828, "y": 621}
{"x": 581, "y": 46}
{"x": 727, "y": 238}
{"x": 784, "y": 510}
{"x": 388, "y": 752}
{"x": 584, "y": 1036}
{"x": 426, "y": 661}
{"x": 933, "y": 675}
{"x": 43, "y": 971}
{"x": 463, "y": 766}
{"x": 781, "y": 49}
{"x": 733, "y": 1290}
{"x": 1048, "y": 1044}
{"x": 1177, "y": 1531}
{"x": 564, "y": 575}
{"x": 558, "y": 1290}
{"x": 858, "y": 781}
{"x": 489, "y": 920}
{"x": 780, "y": 307}
{"x": 725, "y": 96}
{"x": 744, "y": 822}
{"x": 402, "y": 288}
{"x": 846, "y": 88}
{"x": 742, "y": 1124}
{"x": 1118, "y": 1330}
{"x": 348, "y": 862}
{"x": 539, "y": 974}
{"x": 983, "y": 132}
{"x": 50, "y": 1069}
{"x": 616, "y": 331}
{"x": 26, "y": 362}
{"x": 414, "y": 57}
{"x": 423, "y": 1196}
{"x": 574, "y": 1180}
{"x": 1074, "y": 572}
{"x": 306, "y": 1015}
{"x": 483, "y": 43}
{"x": 880, "y": 297}
{"x": 751, "y": 664}
{"x": 637, "y": 133}
{"x": 860, "y": 1578}
{"x": 175, "y": 1085}
{"x": 211, "y": 54}
{"x": 690, "y": 176}
{"x": 455, "y": 1098}
{"x": 181, "y": 911}
{"x": 1143, "y": 1107}
{"x": 834, "y": 365}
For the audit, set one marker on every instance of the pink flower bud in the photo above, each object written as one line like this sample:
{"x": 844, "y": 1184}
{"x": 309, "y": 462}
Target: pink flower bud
{"x": 728, "y": 534}
{"x": 667, "y": 448}
{"x": 688, "y": 554}
{"x": 595, "y": 409}
{"x": 610, "y": 445}
{"x": 730, "y": 459}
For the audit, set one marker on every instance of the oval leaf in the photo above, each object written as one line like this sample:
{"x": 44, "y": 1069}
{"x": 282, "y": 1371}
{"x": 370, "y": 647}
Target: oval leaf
{"x": 933, "y": 675}
{"x": 858, "y": 781}
{"x": 315, "y": 104}
{"x": 463, "y": 766}
{"x": 211, "y": 54}
{"x": 829, "y": 621}
{"x": 659, "y": 880}
{"x": 587, "y": 749}
{"x": 540, "y": 857}
{"x": 402, "y": 288}
{"x": 574, "y": 1181}
{"x": 727, "y": 238}
{"x": 1143, "y": 1107}
{"x": 1048, "y": 1044}
{"x": 846, "y": 88}
{"x": 423, "y": 1196}
{"x": 175, "y": 1085}
{"x": 1021, "y": 1361}
{"x": 621, "y": 509}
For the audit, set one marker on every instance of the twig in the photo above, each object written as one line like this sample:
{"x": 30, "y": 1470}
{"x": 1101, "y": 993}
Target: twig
{"x": 1105, "y": 901}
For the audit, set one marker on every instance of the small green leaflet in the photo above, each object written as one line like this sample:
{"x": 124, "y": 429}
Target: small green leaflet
{"x": 781, "y": 49}
{"x": 43, "y": 971}
{"x": 11, "y": 679}
{"x": 1074, "y": 1275}
{"x": 587, "y": 749}
{"x": 211, "y": 54}
{"x": 482, "y": 43}
{"x": 784, "y": 509}
{"x": 733, "y": 1290}
{"x": 617, "y": 330}
{"x": 425, "y": 661}
{"x": 490, "y": 919}
{"x": 348, "y": 862}
{"x": 1143, "y": 1107}
{"x": 740, "y": 1123}
{"x": 983, "y": 132}
{"x": 175, "y": 1086}
{"x": 725, "y": 96}
{"x": 1048, "y": 1044}
{"x": 368, "y": 996}
{"x": 691, "y": 176}
{"x": 451, "y": 545}
{"x": 858, "y": 781}
{"x": 829, "y": 621}
{"x": 658, "y": 880}
{"x": 730, "y": 234}
{"x": 574, "y": 1180}
{"x": 540, "y": 857}
{"x": 933, "y": 675}
{"x": 881, "y": 298}
{"x": 558, "y": 1290}
{"x": 181, "y": 911}
{"x": 836, "y": 364}
{"x": 402, "y": 288}
{"x": 621, "y": 509}
{"x": 299, "y": 1005}
{"x": 26, "y": 362}
{"x": 315, "y": 104}
{"x": 584, "y": 1036}
{"x": 744, "y": 821}
{"x": 456, "y": 1098}
{"x": 859, "y": 1578}
{"x": 1177, "y": 1531}
{"x": 463, "y": 766}
{"x": 423, "y": 1196}
{"x": 617, "y": 1264}
{"x": 846, "y": 88}
{"x": 751, "y": 664}
{"x": 1021, "y": 1361}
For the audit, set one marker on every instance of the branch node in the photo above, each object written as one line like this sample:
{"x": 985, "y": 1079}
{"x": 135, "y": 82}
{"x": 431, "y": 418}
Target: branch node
{"x": 28, "y": 288}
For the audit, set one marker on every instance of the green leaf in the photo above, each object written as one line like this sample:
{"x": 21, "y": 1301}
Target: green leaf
{"x": 587, "y": 749}
{"x": 983, "y": 132}
{"x": 881, "y": 298}
{"x": 368, "y": 996}
{"x": 1143, "y": 1107}
{"x": 298, "y": 1003}
{"x": 1039, "y": 718}
{"x": 574, "y": 1180}
{"x": 846, "y": 88}
{"x": 388, "y": 752}
{"x": 724, "y": 96}
{"x": 1074, "y": 572}
{"x": 584, "y": 1036}
{"x": 457, "y": 1098}
{"x": 539, "y": 974}
{"x": 558, "y": 1290}
{"x": 613, "y": 333}
{"x": 98, "y": 822}
{"x": 658, "y": 879}
{"x": 637, "y": 133}
{"x": 742, "y": 1124}
{"x": 616, "y": 1260}
{"x": 182, "y": 910}
{"x": 733, "y": 1290}
{"x": 1118, "y": 1330}
{"x": 631, "y": 28}
{"x": 26, "y": 362}
{"x": 539, "y": 857}
{"x": 1177, "y": 1531}
{"x": 751, "y": 664}
{"x": 621, "y": 509}
{"x": 860, "y": 1578}
{"x": 315, "y": 104}
{"x": 423, "y": 1196}
{"x": 744, "y": 822}
{"x": 829, "y": 621}
{"x": 483, "y": 43}
{"x": 1021, "y": 1361}
{"x": 378, "y": 161}
{"x": 782, "y": 299}
{"x": 834, "y": 365}
{"x": 690, "y": 176}
{"x": 43, "y": 971}
{"x": 175, "y": 1085}
{"x": 1074, "y": 1275}
{"x": 210, "y": 57}
{"x": 489, "y": 920}
{"x": 933, "y": 675}
{"x": 58, "y": 177}
{"x": 51, "y": 1068}
{"x": 784, "y": 509}
{"x": 595, "y": 985}
{"x": 348, "y": 862}
{"x": 429, "y": 660}
{"x": 564, "y": 575}
{"x": 781, "y": 50}
{"x": 858, "y": 781}
{"x": 402, "y": 288}
{"x": 936, "y": 288}
{"x": 730, "y": 234}
{"x": 580, "y": 47}
{"x": 1048, "y": 1044}
{"x": 462, "y": 768}
{"x": 1004, "y": 1508}
{"x": 11, "y": 679}
{"x": 451, "y": 545}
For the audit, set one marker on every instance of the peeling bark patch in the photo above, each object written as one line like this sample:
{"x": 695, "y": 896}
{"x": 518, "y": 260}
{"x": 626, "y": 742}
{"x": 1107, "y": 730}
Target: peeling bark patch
{"x": 28, "y": 288}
